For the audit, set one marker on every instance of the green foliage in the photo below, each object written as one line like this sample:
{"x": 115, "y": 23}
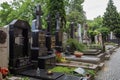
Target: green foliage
{"x": 20, "y": 9}
{"x": 110, "y": 43}
{"x": 111, "y": 17}
{"x": 63, "y": 69}
{"x": 104, "y": 31}
{"x": 117, "y": 33}
{"x": 75, "y": 45}
{"x": 95, "y": 46}
{"x": 94, "y": 25}
{"x": 76, "y": 17}
{"x": 91, "y": 72}
{"x": 70, "y": 71}
{"x": 75, "y": 12}
{"x": 25, "y": 78}
{"x": 54, "y": 7}
{"x": 5, "y": 11}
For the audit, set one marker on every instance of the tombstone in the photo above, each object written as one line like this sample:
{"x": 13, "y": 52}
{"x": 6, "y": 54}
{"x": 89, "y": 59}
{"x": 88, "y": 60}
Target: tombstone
{"x": 19, "y": 46}
{"x": 41, "y": 41}
{"x": 111, "y": 35}
{"x": 4, "y": 47}
{"x": 79, "y": 33}
{"x": 96, "y": 39}
{"x": 48, "y": 35}
{"x": 72, "y": 31}
{"x": 85, "y": 36}
{"x": 38, "y": 47}
{"x": 58, "y": 34}
{"x": 65, "y": 38}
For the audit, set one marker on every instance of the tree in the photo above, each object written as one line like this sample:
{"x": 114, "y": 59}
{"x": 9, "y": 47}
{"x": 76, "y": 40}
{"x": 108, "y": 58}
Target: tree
{"x": 5, "y": 11}
{"x": 111, "y": 17}
{"x": 54, "y": 7}
{"x": 104, "y": 31}
{"x": 94, "y": 25}
{"x": 20, "y": 9}
{"x": 75, "y": 12}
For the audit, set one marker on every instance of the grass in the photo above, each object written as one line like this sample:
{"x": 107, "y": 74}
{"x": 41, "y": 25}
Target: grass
{"x": 70, "y": 71}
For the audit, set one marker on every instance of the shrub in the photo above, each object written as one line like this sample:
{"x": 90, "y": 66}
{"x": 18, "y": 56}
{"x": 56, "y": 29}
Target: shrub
{"x": 75, "y": 45}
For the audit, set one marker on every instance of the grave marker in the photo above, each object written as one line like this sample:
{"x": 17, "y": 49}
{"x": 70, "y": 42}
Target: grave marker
{"x": 19, "y": 45}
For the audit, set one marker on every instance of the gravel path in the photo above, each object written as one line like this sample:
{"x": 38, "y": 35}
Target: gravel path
{"x": 111, "y": 70}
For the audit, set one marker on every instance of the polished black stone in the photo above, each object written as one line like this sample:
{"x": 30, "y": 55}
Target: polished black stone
{"x": 42, "y": 74}
{"x": 46, "y": 62}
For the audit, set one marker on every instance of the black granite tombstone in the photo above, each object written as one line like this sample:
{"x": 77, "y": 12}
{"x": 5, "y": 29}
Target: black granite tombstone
{"x": 58, "y": 34}
{"x": 38, "y": 36}
{"x": 41, "y": 41}
{"x": 19, "y": 44}
{"x": 48, "y": 35}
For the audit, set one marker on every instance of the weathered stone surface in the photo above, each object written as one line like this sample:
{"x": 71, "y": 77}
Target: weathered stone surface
{"x": 4, "y": 48}
{"x": 88, "y": 59}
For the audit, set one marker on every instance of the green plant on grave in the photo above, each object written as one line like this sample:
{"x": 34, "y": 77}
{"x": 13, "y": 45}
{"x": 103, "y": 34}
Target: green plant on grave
{"x": 25, "y": 78}
{"x": 70, "y": 71}
{"x": 66, "y": 70}
{"x": 91, "y": 72}
{"x": 96, "y": 46}
{"x": 110, "y": 43}
{"x": 75, "y": 45}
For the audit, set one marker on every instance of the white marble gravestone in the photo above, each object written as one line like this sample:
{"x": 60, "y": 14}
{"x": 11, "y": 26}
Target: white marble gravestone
{"x": 65, "y": 38}
{"x": 79, "y": 33}
{"x": 4, "y": 48}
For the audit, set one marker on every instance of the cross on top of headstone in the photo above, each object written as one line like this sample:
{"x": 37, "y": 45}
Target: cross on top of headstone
{"x": 38, "y": 10}
{"x": 48, "y": 22}
{"x": 38, "y": 13}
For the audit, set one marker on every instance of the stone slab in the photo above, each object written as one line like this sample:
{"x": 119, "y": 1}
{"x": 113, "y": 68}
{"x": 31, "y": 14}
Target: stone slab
{"x": 79, "y": 64}
{"x": 89, "y": 59}
{"x": 41, "y": 75}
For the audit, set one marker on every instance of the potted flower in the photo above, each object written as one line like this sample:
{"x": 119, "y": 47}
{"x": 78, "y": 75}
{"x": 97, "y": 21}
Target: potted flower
{"x": 78, "y": 54}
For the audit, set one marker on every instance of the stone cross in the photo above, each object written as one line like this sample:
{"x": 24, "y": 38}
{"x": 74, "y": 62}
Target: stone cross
{"x": 48, "y": 23}
{"x": 38, "y": 13}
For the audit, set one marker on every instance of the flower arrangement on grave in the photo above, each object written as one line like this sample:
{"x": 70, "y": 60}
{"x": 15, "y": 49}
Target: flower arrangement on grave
{"x": 4, "y": 72}
{"x": 78, "y": 54}
{"x": 59, "y": 57}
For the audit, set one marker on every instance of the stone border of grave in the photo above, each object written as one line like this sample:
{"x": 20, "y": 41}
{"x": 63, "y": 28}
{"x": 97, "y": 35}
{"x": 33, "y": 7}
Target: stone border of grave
{"x": 110, "y": 50}
{"x": 79, "y": 64}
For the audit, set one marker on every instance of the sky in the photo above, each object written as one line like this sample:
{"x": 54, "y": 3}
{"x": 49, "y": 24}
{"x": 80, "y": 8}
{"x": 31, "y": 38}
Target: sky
{"x": 93, "y": 8}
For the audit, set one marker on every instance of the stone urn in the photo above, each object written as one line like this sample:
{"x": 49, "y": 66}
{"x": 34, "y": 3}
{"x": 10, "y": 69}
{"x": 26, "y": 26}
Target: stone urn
{"x": 78, "y": 54}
